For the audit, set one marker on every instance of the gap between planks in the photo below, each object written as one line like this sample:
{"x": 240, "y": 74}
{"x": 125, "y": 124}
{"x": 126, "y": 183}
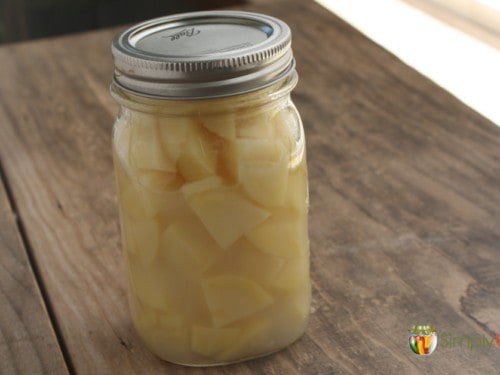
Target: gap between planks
{"x": 36, "y": 272}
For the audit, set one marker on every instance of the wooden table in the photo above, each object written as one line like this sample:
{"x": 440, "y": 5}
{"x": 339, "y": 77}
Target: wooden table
{"x": 404, "y": 220}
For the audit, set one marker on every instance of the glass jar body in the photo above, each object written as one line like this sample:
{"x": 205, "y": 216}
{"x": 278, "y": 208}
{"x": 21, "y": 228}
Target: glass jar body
{"x": 213, "y": 205}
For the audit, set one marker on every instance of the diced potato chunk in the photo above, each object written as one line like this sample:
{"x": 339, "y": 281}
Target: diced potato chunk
{"x": 137, "y": 203}
{"x": 294, "y": 275}
{"x": 171, "y": 207}
{"x": 171, "y": 321}
{"x": 210, "y": 341}
{"x": 284, "y": 234}
{"x": 255, "y": 125}
{"x": 262, "y": 170}
{"x": 289, "y": 317}
{"x": 159, "y": 181}
{"x": 231, "y": 298}
{"x": 201, "y": 186}
{"x": 143, "y": 238}
{"x": 251, "y": 151}
{"x": 222, "y": 125}
{"x": 147, "y": 155}
{"x": 173, "y": 132}
{"x": 301, "y": 301}
{"x": 256, "y": 337}
{"x": 199, "y": 155}
{"x": 288, "y": 128}
{"x": 265, "y": 182}
{"x": 146, "y": 151}
{"x": 149, "y": 285}
{"x": 141, "y": 120}
{"x": 144, "y": 316}
{"x": 226, "y": 214}
{"x": 246, "y": 260}
{"x": 171, "y": 342}
{"x": 297, "y": 195}
{"x": 257, "y": 150}
{"x": 121, "y": 140}
{"x": 188, "y": 247}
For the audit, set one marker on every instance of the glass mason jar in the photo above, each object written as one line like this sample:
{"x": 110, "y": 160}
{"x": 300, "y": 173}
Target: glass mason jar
{"x": 209, "y": 156}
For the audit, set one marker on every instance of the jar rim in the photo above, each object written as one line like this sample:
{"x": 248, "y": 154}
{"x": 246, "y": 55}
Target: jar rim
{"x": 212, "y": 105}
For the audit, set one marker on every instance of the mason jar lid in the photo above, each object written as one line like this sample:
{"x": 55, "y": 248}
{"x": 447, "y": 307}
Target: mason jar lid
{"x": 202, "y": 55}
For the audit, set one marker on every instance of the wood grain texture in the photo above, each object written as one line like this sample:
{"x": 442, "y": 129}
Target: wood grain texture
{"x": 405, "y": 204}
{"x": 28, "y": 344}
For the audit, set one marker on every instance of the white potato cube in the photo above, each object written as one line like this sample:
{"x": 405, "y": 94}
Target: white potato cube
{"x": 201, "y": 186}
{"x": 226, "y": 214}
{"x": 222, "y": 125}
{"x": 143, "y": 239}
{"x": 244, "y": 259}
{"x": 144, "y": 316}
{"x": 294, "y": 276}
{"x": 146, "y": 151}
{"x": 198, "y": 156}
{"x": 137, "y": 202}
{"x": 188, "y": 247}
{"x": 231, "y": 298}
{"x": 255, "y": 125}
{"x": 297, "y": 195}
{"x": 171, "y": 343}
{"x": 210, "y": 341}
{"x": 265, "y": 182}
{"x": 160, "y": 181}
{"x": 173, "y": 132}
{"x": 149, "y": 285}
{"x": 284, "y": 234}
{"x": 288, "y": 128}
{"x": 248, "y": 151}
{"x": 255, "y": 338}
{"x": 121, "y": 140}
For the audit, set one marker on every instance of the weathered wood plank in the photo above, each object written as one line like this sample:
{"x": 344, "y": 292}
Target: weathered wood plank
{"x": 405, "y": 204}
{"x": 28, "y": 344}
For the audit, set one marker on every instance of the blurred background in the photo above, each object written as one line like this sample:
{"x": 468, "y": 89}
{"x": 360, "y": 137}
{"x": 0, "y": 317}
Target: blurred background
{"x": 456, "y": 43}
{"x": 31, "y": 19}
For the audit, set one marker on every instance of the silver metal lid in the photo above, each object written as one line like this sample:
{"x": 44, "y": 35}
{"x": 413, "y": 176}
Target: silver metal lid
{"x": 202, "y": 55}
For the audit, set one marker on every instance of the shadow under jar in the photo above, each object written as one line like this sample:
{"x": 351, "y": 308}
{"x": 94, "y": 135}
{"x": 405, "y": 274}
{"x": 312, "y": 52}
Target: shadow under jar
{"x": 209, "y": 156}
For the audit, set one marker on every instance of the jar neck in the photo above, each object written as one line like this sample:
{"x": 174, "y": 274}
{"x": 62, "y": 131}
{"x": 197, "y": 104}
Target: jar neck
{"x": 268, "y": 96}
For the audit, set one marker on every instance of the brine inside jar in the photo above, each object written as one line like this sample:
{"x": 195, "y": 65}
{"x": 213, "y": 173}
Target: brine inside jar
{"x": 213, "y": 211}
